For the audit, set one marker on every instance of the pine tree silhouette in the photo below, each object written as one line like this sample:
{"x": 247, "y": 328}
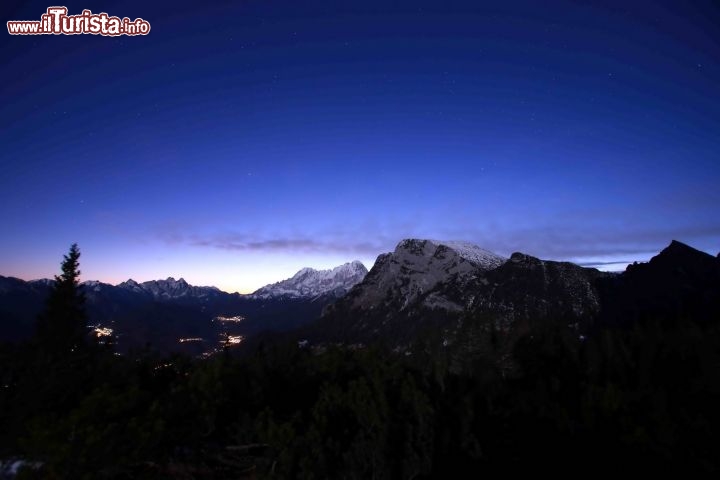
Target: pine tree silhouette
{"x": 62, "y": 328}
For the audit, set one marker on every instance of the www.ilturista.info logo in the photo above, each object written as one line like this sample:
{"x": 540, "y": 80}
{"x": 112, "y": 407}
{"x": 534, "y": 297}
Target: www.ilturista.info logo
{"x": 57, "y": 22}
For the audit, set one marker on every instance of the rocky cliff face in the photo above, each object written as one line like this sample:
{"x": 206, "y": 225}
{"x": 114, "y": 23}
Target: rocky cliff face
{"x": 401, "y": 279}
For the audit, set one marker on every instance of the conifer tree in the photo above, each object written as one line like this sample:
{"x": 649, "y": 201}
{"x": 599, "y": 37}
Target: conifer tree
{"x": 62, "y": 328}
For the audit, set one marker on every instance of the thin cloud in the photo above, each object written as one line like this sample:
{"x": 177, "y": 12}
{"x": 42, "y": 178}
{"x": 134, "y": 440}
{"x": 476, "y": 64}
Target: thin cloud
{"x": 601, "y": 264}
{"x": 245, "y": 243}
{"x": 558, "y": 242}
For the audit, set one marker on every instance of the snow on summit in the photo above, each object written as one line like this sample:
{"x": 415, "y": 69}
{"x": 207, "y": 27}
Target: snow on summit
{"x": 310, "y": 283}
{"x": 473, "y": 253}
{"x": 417, "y": 266}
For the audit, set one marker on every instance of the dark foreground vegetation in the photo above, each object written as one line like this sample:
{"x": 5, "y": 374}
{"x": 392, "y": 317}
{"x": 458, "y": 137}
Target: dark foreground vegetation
{"x": 639, "y": 398}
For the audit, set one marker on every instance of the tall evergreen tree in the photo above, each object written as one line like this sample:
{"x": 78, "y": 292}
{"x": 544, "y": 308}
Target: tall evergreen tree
{"x": 62, "y": 328}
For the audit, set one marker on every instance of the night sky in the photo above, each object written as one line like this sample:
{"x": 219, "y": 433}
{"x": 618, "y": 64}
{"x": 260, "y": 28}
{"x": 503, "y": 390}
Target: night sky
{"x": 240, "y": 141}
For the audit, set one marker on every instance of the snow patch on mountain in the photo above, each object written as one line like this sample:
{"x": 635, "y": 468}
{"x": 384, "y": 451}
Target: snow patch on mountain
{"x": 417, "y": 266}
{"x": 472, "y": 253}
{"x": 94, "y": 285}
{"x": 311, "y": 283}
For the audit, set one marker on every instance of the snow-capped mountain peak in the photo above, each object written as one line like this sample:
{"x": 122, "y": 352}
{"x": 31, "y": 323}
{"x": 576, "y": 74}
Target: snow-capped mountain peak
{"x": 311, "y": 283}
{"x": 417, "y": 266}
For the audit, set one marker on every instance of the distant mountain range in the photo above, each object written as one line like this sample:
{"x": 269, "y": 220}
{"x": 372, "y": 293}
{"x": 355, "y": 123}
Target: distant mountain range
{"x": 174, "y": 315}
{"x": 453, "y": 295}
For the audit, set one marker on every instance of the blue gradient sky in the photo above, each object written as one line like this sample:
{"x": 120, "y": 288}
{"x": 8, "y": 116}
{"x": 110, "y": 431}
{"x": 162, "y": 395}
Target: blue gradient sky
{"x": 241, "y": 141}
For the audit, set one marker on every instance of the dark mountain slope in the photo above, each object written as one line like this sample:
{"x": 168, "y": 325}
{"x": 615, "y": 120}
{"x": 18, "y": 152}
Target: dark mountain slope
{"x": 679, "y": 282}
